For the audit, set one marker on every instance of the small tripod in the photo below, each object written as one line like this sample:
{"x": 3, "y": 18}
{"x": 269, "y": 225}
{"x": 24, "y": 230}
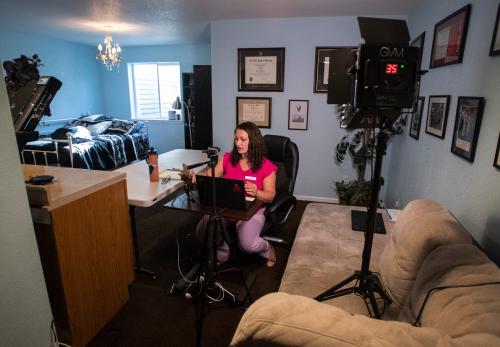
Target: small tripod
{"x": 206, "y": 276}
{"x": 366, "y": 282}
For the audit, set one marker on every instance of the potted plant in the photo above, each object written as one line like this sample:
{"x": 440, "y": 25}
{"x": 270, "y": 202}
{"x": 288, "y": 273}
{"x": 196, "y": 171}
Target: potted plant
{"x": 359, "y": 144}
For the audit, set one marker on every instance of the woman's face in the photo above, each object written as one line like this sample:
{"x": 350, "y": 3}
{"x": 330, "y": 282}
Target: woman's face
{"x": 241, "y": 141}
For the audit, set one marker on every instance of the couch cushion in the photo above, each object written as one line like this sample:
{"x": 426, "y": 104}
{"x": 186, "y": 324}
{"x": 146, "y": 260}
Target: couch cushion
{"x": 280, "y": 319}
{"x": 326, "y": 251}
{"x": 422, "y": 226}
{"x": 473, "y": 306}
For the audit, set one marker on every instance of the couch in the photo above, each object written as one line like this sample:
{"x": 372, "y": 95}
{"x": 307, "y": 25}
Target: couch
{"x": 445, "y": 290}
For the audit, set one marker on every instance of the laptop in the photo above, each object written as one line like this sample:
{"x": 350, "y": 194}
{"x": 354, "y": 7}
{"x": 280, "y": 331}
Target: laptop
{"x": 230, "y": 193}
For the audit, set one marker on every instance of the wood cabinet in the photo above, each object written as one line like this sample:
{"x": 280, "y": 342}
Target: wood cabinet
{"x": 82, "y": 227}
{"x": 197, "y": 93}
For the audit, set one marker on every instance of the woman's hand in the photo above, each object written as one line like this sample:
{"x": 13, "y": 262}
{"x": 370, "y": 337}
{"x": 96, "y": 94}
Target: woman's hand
{"x": 251, "y": 189}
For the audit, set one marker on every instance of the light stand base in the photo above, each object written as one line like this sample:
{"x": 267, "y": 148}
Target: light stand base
{"x": 365, "y": 285}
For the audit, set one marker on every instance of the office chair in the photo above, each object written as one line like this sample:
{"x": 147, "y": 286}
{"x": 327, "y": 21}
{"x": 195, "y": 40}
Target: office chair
{"x": 285, "y": 155}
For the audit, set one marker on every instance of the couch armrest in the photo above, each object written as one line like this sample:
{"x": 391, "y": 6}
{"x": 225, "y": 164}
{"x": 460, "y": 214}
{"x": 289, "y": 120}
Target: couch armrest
{"x": 281, "y": 319}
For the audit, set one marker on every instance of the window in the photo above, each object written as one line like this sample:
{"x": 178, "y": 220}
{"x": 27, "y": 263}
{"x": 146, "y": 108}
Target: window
{"x": 153, "y": 89}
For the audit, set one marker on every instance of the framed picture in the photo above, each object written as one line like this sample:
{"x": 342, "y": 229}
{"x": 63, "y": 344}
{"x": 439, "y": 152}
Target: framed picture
{"x": 496, "y": 162}
{"x": 495, "y": 40}
{"x": 437, "y": 115}
{"x": 449, "y": 38}
{"x": 256, "y": 110}
{"x": 416, "y": 118}
{"x": 419, "y": 42}
{"x": 261, "y": 69}
{"x": 467, "y": 125}
{"x": 297, "y": 114}
{"x": 322, "y": 67}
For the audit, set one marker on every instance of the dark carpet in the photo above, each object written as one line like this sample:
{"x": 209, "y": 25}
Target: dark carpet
{"x": 152, "y": 317}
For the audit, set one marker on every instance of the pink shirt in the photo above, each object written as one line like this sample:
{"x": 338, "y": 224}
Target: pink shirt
{"x": 237, "y": 173}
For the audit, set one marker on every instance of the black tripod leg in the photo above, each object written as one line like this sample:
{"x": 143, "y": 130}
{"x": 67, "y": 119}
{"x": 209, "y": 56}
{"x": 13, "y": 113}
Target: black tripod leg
{"x": 200, "y": 319}
{"x": 329, "y": 292}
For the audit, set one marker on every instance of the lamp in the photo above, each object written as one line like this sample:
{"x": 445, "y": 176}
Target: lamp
{"x": 110, "y": 57}
{"x": 177, "y": 105}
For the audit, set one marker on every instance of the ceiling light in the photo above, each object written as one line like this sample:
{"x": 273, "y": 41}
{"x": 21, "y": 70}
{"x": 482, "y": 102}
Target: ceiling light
{"x": 110, "y": 56}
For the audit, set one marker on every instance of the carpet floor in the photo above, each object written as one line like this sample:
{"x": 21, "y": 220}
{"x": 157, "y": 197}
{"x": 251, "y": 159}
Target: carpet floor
{"x": 153, "y": 317}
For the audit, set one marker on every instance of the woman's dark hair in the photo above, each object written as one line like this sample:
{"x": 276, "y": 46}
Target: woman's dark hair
{"x": 256, "y": 147}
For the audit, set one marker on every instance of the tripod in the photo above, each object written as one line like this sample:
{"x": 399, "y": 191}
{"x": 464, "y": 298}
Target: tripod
{"x": 366, "y": 283}
{"x": 206, "y": 276}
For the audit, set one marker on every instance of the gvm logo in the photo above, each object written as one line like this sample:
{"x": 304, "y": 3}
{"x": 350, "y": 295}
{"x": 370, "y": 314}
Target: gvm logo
{"x": 392, "y": 52}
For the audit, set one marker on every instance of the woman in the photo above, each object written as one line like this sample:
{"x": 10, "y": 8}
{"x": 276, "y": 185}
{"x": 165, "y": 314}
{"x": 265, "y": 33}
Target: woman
{"x": 247, "y": 162}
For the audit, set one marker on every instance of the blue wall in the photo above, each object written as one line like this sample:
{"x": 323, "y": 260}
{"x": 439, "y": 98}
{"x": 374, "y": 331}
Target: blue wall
{"x": 164, "y": 136}
{"x": 73, "y": 64}
{"x": 426, "y": 168}
{"x": 299, "y": 36}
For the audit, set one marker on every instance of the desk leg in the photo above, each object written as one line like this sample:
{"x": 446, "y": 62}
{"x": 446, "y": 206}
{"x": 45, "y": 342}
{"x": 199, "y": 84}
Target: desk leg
{"x": 138, "y": 265}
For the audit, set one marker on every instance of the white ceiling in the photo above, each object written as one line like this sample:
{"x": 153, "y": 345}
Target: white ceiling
{"x": 152, "y": 22}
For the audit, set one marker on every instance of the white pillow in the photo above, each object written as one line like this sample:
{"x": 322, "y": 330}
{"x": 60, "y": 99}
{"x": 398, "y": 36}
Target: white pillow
{"x": 98, "y": 128}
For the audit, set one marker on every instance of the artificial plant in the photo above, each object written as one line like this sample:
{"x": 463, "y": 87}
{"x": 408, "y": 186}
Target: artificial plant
{"x": 359, "y": 144}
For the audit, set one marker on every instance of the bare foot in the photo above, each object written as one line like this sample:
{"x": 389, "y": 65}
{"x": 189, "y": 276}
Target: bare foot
{"x": 271, "y": 256}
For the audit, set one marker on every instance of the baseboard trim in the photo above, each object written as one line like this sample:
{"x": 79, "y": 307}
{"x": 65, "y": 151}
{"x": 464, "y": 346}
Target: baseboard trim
{"x": 317, "y": 199}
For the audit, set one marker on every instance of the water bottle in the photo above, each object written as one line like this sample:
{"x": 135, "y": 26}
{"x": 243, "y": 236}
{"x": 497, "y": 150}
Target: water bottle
{"x": 153, "y": 165}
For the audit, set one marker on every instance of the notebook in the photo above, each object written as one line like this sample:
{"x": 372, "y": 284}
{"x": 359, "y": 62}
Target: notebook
{"x": 229, "y": 193}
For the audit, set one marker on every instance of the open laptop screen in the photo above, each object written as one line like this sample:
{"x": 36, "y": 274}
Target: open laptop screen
{"x": 229, "y": 193}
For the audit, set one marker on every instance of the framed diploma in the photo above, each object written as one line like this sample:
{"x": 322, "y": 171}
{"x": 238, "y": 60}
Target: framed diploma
{"x": 256, "y": 110}
{"x": 322, "y": 65}
{"x": 261, "y": 69}
{"x": 448, "y": 43}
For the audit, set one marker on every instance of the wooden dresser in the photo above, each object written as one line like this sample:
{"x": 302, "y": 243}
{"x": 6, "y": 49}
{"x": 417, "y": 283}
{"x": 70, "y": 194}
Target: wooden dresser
{"x": 82, "y": 227}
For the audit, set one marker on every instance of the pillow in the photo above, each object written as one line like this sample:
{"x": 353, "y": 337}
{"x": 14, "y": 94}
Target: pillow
{"x": 120, "y": 126}
{"x": 138, "y": 126}
{"x": 98, "y": 128}
{"x": 78, "y": 134}
{"x": 95, "y": 118}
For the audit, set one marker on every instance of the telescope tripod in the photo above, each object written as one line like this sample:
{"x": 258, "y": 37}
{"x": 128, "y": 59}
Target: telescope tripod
{"x": 366, "y": 283}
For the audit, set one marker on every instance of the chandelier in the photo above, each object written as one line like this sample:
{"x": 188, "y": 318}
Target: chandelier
{"x": 110, "y": 57}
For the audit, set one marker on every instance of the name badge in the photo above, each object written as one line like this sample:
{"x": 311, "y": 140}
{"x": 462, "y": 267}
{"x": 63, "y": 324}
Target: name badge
{"x": 250, "y": 178}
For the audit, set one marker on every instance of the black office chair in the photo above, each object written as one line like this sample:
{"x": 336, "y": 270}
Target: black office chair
{"x": 285, "y": 155}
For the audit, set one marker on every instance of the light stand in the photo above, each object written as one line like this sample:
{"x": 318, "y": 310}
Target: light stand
{"x": 206, "y": 276}
{"x": 366, "y": 283}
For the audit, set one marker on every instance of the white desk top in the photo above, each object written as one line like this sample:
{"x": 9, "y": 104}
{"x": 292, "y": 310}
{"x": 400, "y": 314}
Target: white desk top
{"x": 144, "y": 193}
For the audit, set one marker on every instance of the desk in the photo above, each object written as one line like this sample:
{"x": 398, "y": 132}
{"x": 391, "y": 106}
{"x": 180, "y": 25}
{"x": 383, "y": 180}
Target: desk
{"x": 182, "y": 203}
{"x": 141, "y": 192}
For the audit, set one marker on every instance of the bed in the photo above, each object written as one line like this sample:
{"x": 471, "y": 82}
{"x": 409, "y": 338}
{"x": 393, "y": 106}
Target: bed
{"x": 92, "y": 142}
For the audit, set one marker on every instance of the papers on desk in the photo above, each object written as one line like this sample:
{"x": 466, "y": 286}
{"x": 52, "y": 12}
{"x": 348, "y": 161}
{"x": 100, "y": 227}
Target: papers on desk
{"x": 173, "y": 174}
{"x": 392, "y": 214}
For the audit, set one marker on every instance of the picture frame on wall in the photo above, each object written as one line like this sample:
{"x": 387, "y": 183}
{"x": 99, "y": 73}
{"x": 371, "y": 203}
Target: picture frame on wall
{"x": 450, "y": 34}
{"x": 323, "y": 61}
{"x": 254, "y": 109}
{"x": 419, "y": 42}
{"x": 496, "y": 161}
{"x": 416, "y": 118}
{"x": 298, "y": 111}
{"x": 261, "y": 69}
{"x": 437, "y": 115}
{"x": 467, "y": 126}
{"x": 495, "y": 40}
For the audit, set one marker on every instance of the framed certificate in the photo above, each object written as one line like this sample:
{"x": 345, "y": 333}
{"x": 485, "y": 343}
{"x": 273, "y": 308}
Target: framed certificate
{"x": 322, "y": 65}
{"x": 256, "y": 110}
{"x": 261, "y": 69}
{"x": 449, "y": 38}
{"x": 495, "y": 40}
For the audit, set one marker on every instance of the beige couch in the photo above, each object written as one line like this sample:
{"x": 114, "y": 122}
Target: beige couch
{"x": 445, "y": 291}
